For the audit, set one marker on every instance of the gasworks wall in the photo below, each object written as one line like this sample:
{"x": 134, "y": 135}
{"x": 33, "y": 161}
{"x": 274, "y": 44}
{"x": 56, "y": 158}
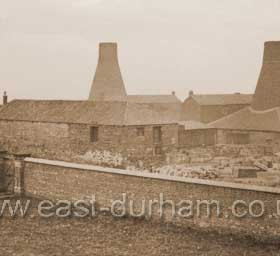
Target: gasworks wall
{"x": 61, "y": 180}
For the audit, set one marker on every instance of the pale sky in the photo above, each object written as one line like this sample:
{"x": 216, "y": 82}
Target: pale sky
{"x": 49, "y": 48}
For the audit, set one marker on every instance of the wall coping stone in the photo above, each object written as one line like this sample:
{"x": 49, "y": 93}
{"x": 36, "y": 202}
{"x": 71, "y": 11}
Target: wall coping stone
{"x": 86, "y": 167}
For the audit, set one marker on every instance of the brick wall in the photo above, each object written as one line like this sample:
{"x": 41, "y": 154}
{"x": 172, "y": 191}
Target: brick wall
{"x": 60, "y": 180}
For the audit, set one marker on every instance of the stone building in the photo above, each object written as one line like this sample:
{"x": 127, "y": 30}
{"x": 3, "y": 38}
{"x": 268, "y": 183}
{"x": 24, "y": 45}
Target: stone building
{"x": 207, "y": 108}
{"x": 64, "y": 129}
{"x": 258, "y": 123}
{"x": 137, "y": 126}
{"x": 141, "y": 126}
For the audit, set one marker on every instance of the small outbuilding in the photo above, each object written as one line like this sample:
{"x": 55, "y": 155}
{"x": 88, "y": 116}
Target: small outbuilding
{"x": 207, "y": 108}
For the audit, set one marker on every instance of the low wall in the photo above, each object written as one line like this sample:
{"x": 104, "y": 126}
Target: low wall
{"x": 62, "y": 180}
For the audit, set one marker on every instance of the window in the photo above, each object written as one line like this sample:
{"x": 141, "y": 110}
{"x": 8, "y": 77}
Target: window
{"x": 157, "y": 150}
{"x": 93, "y": 134}
{"x": 157, "y": 134}
{"x": 140, "y": 131}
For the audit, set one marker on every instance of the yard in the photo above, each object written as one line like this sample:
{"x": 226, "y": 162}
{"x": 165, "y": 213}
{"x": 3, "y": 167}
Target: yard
{"x": 103, "y": 235}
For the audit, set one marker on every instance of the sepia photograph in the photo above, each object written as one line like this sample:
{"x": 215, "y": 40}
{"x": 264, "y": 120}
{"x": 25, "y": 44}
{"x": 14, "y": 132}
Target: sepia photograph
{"x": 140, "y": 128}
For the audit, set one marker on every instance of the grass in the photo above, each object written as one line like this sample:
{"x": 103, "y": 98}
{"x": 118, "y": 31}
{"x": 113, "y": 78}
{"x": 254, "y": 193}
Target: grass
{"x": 104, "y": 235}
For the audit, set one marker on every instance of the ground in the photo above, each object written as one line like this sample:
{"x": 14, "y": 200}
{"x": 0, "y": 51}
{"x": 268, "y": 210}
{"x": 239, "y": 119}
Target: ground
{"x": 104, "y": 235}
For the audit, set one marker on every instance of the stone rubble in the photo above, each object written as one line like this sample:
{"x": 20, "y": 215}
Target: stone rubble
{"x": 215, "y": 162}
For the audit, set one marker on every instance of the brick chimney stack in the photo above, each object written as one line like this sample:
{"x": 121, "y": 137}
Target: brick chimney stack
{"x": 108, "y": 84}
{"x": 5, "y": 98}
{"x": 267, "y": 94}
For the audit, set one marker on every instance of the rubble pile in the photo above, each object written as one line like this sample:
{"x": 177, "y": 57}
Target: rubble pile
{"x": 103, "y": 158}
{"x": 201, "y": 172}
{"x": 215, "y": 162}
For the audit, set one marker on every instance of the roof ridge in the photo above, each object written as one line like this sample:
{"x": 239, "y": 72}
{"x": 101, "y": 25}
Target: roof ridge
{"x": 49, "y": 100}
{"x": 171, "y": 95}
{"x": 263, "y": 111}
{"x": 222, "y": 99}
{"x": 224, "y": 94}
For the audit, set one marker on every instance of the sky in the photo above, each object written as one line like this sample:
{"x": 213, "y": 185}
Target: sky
{"x": 49, "y": 48}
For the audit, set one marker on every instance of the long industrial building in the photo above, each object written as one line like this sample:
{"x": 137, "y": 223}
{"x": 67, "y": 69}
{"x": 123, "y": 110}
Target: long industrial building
{"x": 142, "y": 126}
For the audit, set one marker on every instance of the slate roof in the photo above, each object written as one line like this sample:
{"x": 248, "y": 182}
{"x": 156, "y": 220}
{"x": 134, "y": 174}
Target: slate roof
{"x": 223, "y": 99}
{"x": 89, "y": 112}
{"x": 152, "y": 113}
{"x": 60, "y": 111}
{"x": 153, "y": 99}
{"x": 249, "y": 119}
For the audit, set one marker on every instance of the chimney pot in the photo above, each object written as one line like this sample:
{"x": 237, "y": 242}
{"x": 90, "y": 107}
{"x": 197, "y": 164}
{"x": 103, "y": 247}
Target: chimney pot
{"x": 173, "y": 93}
{"x": 5, "y": 98}
{"x": 191, "y": 93}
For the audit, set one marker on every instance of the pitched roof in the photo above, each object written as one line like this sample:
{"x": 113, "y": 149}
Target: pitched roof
{"x": 152, "y": 113}
{"x": 223, "y": 99}
{"x": 89, "y": 112}
{"x": 153, "y": 99}
{"x": 61, "y": 111}
{"x": 248, "y": 119}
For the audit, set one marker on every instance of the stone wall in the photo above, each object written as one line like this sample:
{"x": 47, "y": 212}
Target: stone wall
{"x": 60, "y": 180}
{"x": 11, "y": 172}
{"x": 63, "y": 141}
{"x": 199, "y": 137}
{"x": 263, "y": 138}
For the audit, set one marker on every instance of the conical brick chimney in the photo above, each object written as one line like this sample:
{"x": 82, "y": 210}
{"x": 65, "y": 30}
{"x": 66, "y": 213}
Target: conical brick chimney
{"x": 108, "y": 83}
{"x": 267, "y": 94}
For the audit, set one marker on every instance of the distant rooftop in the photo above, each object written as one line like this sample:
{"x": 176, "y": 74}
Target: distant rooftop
{"x": 223, "y": 99}
{"x": 153, "y": 98}
{"x": 89, "y": 112}
{"x": 248, "y": 119}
